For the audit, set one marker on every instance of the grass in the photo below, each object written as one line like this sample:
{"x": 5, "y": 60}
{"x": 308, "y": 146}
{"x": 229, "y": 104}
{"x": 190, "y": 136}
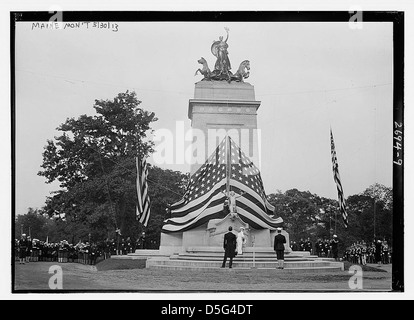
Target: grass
{"x": 125, "y": 275}
{"x": 347, "y": 264}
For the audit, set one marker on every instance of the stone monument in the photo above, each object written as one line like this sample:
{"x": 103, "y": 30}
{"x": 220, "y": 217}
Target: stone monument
{"x": 220, "y": 108}
{"x": 224, "y": 112}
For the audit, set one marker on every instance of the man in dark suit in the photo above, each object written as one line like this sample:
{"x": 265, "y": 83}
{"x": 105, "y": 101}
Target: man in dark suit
{"x": 23, "y": 244}
{"x": 378, "y": 251}
{"x": 301, "y": 245}
{"x": 308, "y": 245}
{"x": 279, "y": 247}
{"x": 229, "y": 246}
{"x": 334, "y": 247}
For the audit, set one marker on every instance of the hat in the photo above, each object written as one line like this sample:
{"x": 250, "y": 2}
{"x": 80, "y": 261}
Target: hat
{"x": 334, "y": 235}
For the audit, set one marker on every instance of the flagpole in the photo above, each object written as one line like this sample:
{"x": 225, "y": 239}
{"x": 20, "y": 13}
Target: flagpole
{"x": 330, "y": 225}
{"x": 374, "y": 218}
{"x": 228, "y": 169}
{"x": 254, "y": 256}
{"x": 341, "y": 199}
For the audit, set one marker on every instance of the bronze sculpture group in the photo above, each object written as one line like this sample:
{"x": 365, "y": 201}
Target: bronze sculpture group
{"x": 222, "y": 66}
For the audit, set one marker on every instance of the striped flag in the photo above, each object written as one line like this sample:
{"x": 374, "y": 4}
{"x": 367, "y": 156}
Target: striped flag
{"x": 143, "y": 207}
{"x": 337, "y": 179}
{"x": 204, "y": 197}
{"x": 245, "y": 179}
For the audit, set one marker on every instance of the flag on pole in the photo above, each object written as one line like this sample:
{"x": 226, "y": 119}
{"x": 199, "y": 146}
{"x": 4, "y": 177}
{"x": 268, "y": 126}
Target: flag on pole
{"x": 143, "y": 207}
{"x": 203, "y": 199}
{"x": 337, "y": 180}
{"x": 245, "y": 179}
{"x": 205, "y": 194}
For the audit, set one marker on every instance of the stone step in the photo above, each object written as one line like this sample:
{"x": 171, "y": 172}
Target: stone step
{"x": 130, "y": 256}
{"x": 142, "y": 254}
{"x": 244, "y": 257}
{"x": 146, "y": 252}
{"x": 235, "y": 268}
{"x": 246, "y": 249}
{"x": 238, "y": 264}
{"x": 214, "y": 255}
{"x": 246, "y": 254}
{"x": 210, "y": 258}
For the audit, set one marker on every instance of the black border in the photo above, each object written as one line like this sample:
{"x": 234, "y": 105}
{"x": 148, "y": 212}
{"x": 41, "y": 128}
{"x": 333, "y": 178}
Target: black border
{"x": 396, "y": 17}
{"x": 398, "y": 171}
{"x": 13, "y": 140}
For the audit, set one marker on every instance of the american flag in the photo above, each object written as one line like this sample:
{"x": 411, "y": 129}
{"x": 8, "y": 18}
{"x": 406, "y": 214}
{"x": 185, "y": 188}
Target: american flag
{"x": 143, "y": 207}
{"x": 204, "y": 197}
{"x": 337, "y": 179}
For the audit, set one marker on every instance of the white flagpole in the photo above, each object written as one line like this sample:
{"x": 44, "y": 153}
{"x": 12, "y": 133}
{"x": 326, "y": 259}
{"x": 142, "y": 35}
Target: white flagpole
{"x": 228, "y": 165}
{"x": 254, "y": 253}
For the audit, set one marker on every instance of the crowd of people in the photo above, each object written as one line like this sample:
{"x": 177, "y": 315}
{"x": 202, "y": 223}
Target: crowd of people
{"x": 359, "y": 252}
{"x": 85, "y": 252}
{"x": 321, "y": 248}
{"x": 362, "y": 253}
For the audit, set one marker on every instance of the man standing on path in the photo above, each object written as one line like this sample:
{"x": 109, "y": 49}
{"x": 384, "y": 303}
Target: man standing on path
{"x": 279, "y": 247}
{"x": 229, "y": 246}
{"x": 378, "y": 251}
{"x": 23, "y": 244}
{"x": 308, "y": 245}
{"x": 334, "y": 247}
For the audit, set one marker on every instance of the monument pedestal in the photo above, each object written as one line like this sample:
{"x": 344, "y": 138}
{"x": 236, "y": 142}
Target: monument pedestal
{"x": 221, "y": 108}
{"x": 212, "y": 235}
{"x": 218, "y": 109}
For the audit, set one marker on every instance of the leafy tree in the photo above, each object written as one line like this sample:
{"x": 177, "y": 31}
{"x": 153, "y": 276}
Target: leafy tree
{"x": 327, "y": 218}
{"x": 93, "y": 160}
{"x": 298, "y": 211}
{"x": 383, "y": 210}
{"x": 371, "y": 213}
{"x": 381, "y": 194}
{"x": 90, "y": 145}
{"x": 164, "y": 187}
{"x": 33, "y": 223}
{"x": 308, "y": 215}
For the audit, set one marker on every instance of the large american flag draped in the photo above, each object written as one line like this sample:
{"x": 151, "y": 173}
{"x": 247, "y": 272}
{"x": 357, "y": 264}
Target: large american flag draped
{"x": 143, "y": 207}
{"x": 204, "y": 197}
{"x": 337, "y": 179}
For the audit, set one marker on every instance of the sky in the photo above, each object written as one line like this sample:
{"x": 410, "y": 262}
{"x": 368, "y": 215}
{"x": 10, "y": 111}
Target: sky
{"x": 308, "y": 76}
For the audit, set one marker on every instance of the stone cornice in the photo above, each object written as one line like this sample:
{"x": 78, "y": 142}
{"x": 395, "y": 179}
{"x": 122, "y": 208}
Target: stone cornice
{"x": 222, "y": 106}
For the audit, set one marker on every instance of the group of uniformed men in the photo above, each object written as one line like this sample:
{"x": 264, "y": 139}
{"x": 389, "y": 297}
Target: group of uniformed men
{"x": 27, "y": 249}
{"x": 322, "y": 248}
{"x": 362, "y": 253}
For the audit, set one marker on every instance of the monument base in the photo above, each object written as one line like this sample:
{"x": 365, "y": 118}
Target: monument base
{"x": 212, "y": 234}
